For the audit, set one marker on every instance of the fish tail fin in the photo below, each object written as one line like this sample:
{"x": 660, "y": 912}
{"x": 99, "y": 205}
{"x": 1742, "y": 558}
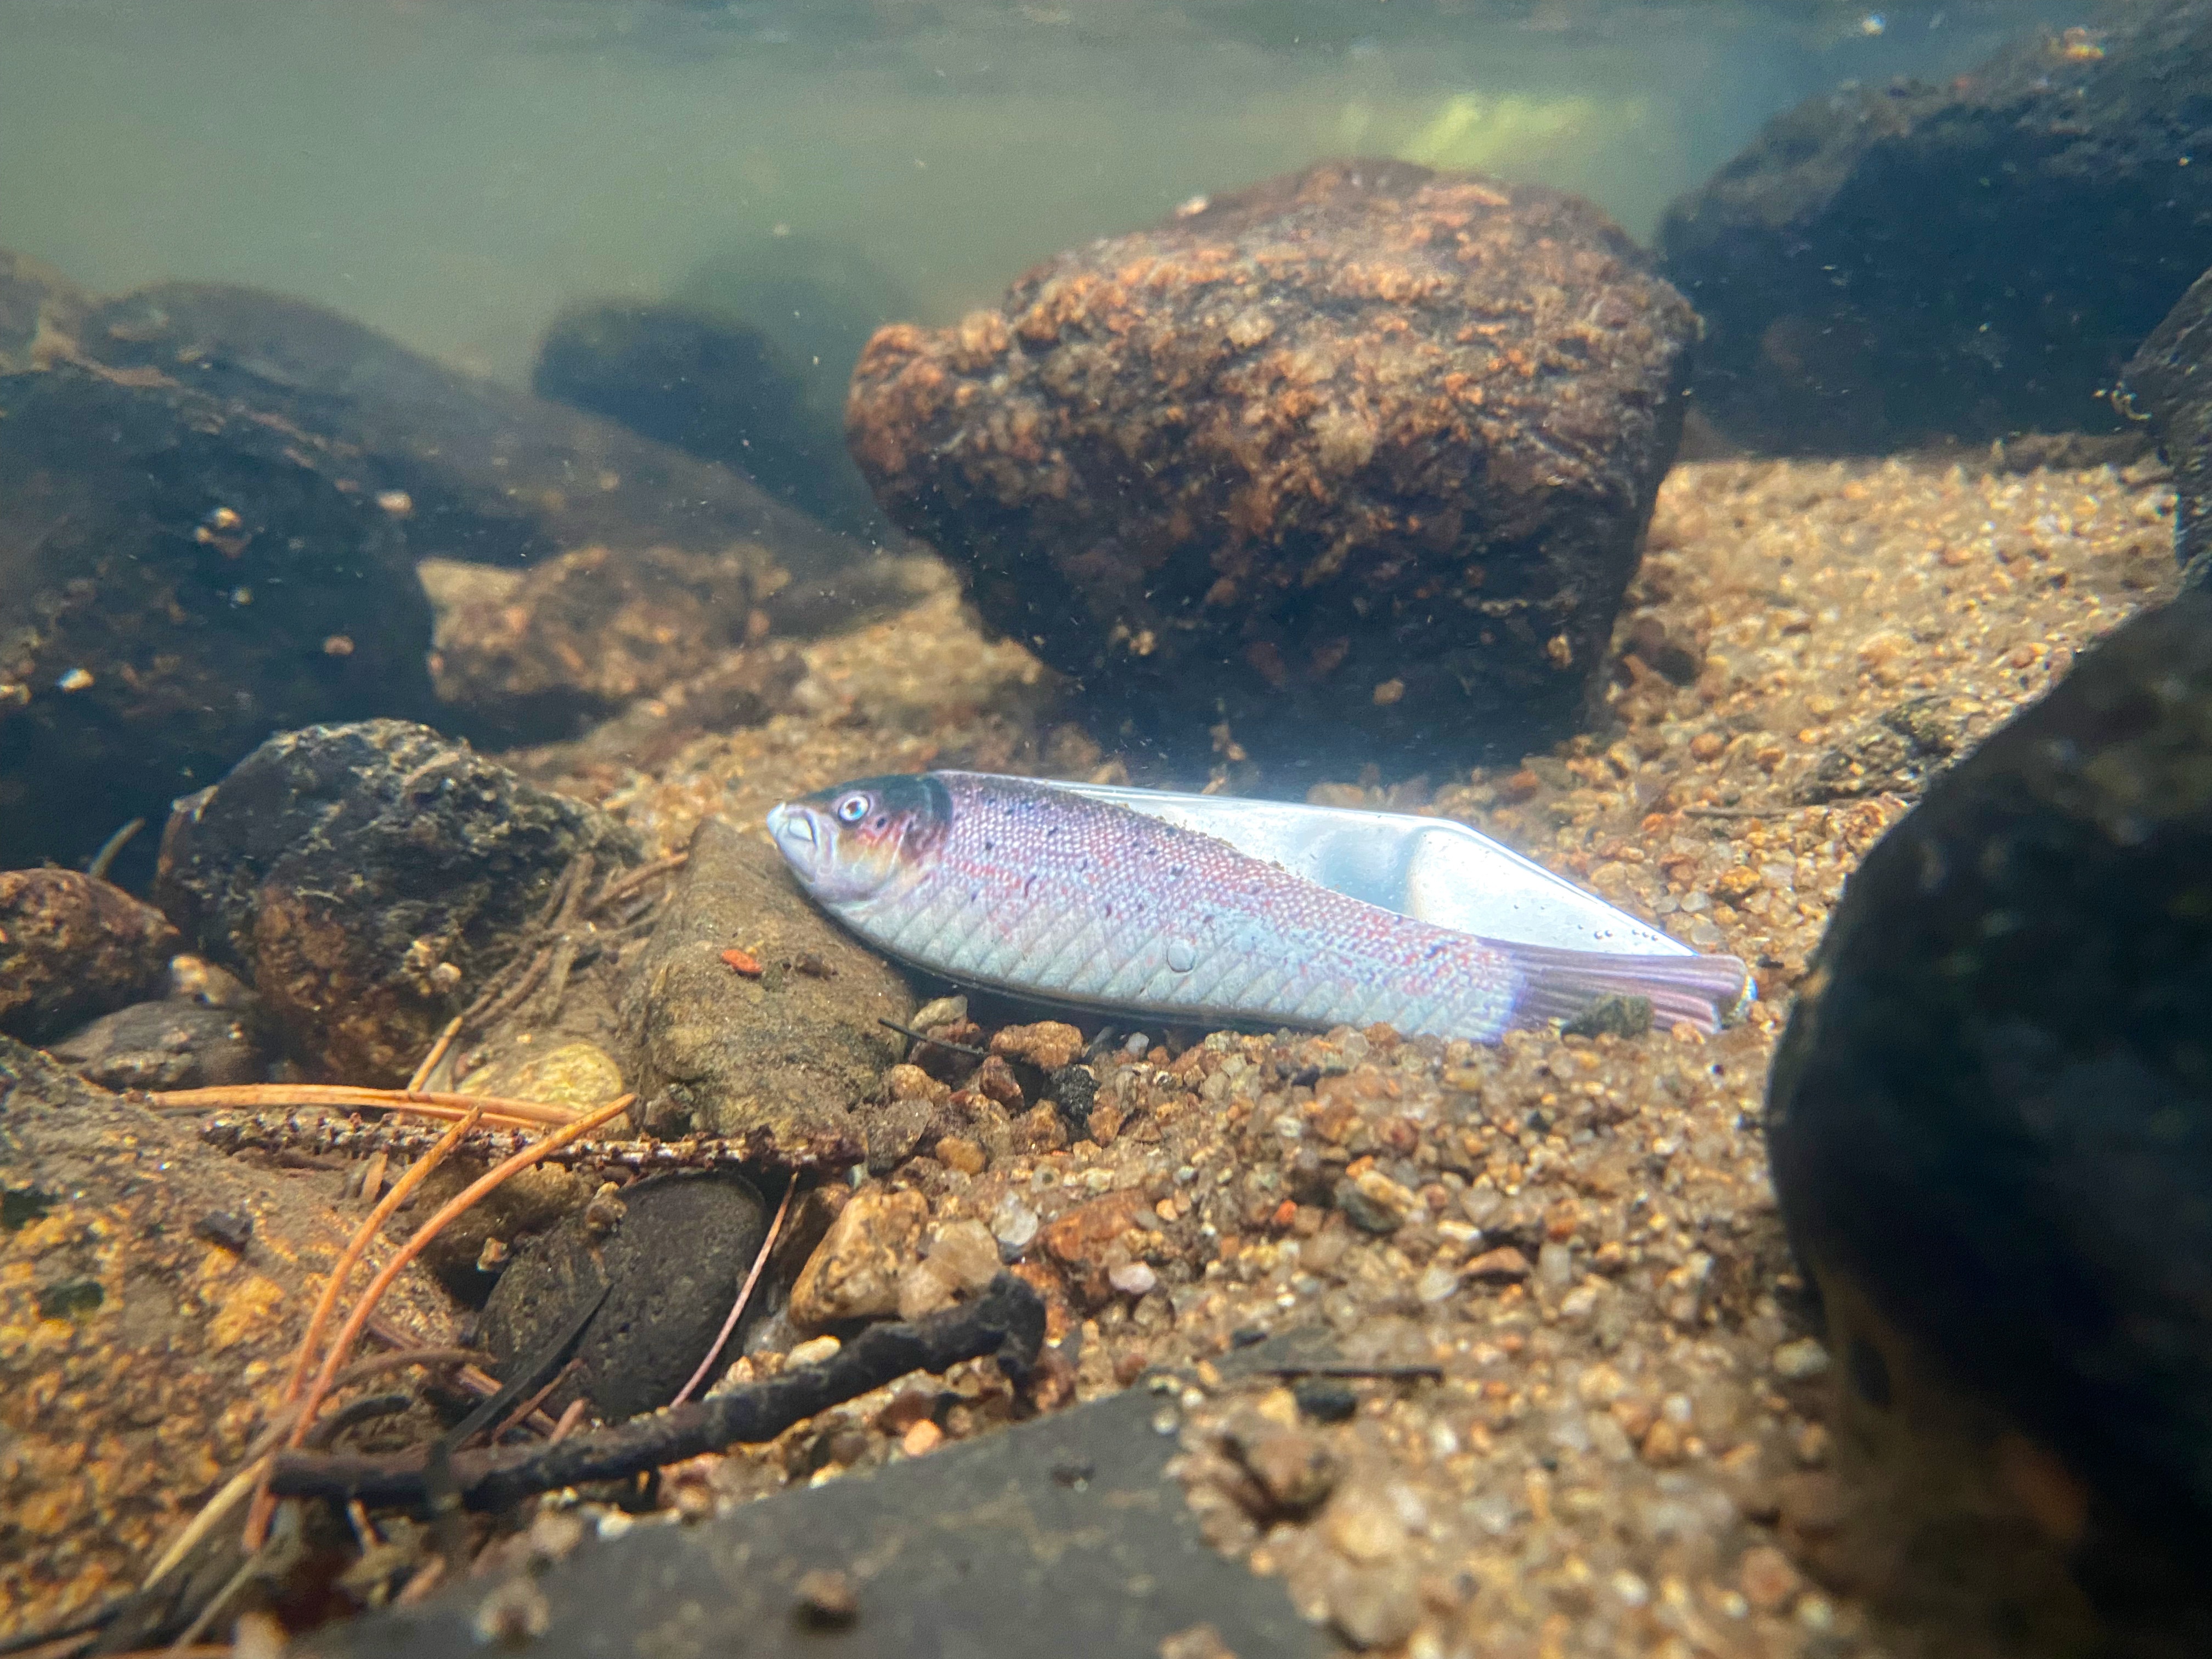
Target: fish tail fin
{"x": 1704, "y": 992}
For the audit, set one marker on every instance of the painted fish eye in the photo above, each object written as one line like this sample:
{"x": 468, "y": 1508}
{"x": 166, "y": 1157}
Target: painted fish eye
{"x": 853, "y": 808}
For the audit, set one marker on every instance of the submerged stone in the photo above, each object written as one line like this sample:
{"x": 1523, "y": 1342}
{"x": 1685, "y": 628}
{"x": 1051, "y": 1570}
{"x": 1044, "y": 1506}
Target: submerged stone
{"x": 368, "y": 881}
{"x": 1991, "y": 1125}
{"x": 72, "y": 946}
{"x": 1354, "y": 462}
{"x": 2170, "y": 381}
{"x": 783, "y": 1053}
{"x": 1888, "y": 263}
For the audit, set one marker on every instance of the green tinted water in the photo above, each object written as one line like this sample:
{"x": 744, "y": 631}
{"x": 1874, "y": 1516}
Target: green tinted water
{"x": 454, "y": 172}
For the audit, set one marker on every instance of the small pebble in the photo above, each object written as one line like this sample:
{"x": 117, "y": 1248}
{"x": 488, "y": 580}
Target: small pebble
{"x": 922, "y": 1439}
{"x": 812, "y": 1351}
{"x": 1132, "y": 1278}
{"x": 1804, "y": 1358}
{"x": 825, "y": 1598}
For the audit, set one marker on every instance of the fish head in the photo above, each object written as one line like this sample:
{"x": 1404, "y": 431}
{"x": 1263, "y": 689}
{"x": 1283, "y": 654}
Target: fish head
{"x": 856, "y": 842}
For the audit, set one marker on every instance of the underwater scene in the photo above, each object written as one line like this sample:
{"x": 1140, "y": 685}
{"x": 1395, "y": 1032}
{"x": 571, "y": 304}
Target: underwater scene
{"x": 1167, "y": 828}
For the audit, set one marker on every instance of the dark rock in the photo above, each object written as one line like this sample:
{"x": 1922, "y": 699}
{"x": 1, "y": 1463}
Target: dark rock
{"x": 1325, "y": 1400}
{"x": 178, "y": 575}
{"x": 166, "y": 1045}
{"x": 1991, "y": 1125}
{"x": 1355, "y": 460}
{"x": 2170, "y": 382}
{"x": 70, "y": 947}
{"x": 1611, "y": 1016}
{"x": 709, "y": 386}
{"x": 122, "y": 1411}
{"x": 579, "y": 638}
{"x": 367, "y": 880}
{"x": 1892, "y": 755}
{"x": 785, "y": 1055}
{"x": 490, "y": 475}
{"x": 670, "y": 1268}
{"x": 226, "y": 1227}
{"x": 1886, "y": 265}
{"x": 975, "y": 1549}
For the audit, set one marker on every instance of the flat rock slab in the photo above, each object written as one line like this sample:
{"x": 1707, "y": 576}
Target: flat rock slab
{"x": 786, "y": 1052}
{"x": 1064, "y": 1534}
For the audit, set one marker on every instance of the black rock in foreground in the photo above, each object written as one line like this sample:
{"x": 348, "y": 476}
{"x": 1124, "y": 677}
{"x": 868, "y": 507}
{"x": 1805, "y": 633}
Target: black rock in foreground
{"x": 1991, "y": 1123}
{"x": 1886, "y": 264}
{"x": 1064, "y": 1535}
{"x": 2170, "y": 383}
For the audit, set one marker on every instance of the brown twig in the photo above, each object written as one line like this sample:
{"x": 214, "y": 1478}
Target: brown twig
{"x": 345, "y": 1097}
{"x": 570, "y": 1417}
{"x": 623, "y": 886}
{"x": 1007, "y": 1322}
{"x": 273, "y": 1132}
{"x": 744, "y": 1293}
{"x": 935, "y": 1043}
{"x": 453, "y": 1208}
{"x": 421, "y": 1080}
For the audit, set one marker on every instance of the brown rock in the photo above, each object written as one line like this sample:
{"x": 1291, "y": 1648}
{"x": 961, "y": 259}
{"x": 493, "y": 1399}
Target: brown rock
{"x": 72, "y": 947}
{"x": 788, "y": 1055}
{"x": 1769, "y": 1582}
{"x": 1081, "y": 1237}
{"x": 966, "y": 1254}
{"x": 368, "y": 880}
{"x": 1502, "y": 1265}
{"x": 533, "y": 655}
{"x": 1048, "y": 1045}
{"x": 957, "y": 1152}
{"x": 1366, "y": 448}
{"x": 1293, "y": 1470}
{"x": 142, "y": 1353}
{"x": 855, "y": 1272}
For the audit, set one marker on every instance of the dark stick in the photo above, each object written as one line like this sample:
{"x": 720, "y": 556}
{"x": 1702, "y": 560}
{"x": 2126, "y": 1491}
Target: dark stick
{"x": 1006, "y": 1321}
{"x": 934, "y": 1042}
{"x": 1376, "y": 1373}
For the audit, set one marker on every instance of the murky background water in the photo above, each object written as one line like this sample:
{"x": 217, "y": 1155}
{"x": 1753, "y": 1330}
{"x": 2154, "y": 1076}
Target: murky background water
{"x": 453, "y": 172}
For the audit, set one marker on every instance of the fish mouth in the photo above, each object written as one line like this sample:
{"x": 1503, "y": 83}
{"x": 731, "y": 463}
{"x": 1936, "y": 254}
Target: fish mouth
{"x": 798, "y": 838}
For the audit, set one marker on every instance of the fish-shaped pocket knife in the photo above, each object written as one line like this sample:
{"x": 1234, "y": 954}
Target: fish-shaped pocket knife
{"x": 1205, "y": 908}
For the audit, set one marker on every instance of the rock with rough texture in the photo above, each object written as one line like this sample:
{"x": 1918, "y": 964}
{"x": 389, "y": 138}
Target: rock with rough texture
{"x": 1889, "y": 264}
{"x": 535, "y": 655}
{"x": 787, "y": 1054}
{"x": 1356, "y": 460}
{"x": 670, "y": 1268}
{"x": 855, "y": 1272}
{"x": 166, "y": 1045}
{"x": 179, "y": 575}
{"x": 2170, "y": 382}
{"x": 367, "y": 880}
{"x": 71, "y": 947}
{"x": 1991, "y": 1125}
{"x": 708, "y": 386}
{"x": 490, "y": 475}
{"x": 151, "y": 1290}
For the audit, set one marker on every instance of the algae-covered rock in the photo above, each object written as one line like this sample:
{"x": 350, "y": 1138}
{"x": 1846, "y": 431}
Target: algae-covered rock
{"x": 1991, "y": 1125}
{"x": 151, "y": 1290}
{"x": 367, "y": 880}
{"x": 785, "y": 1053}
{"x": 71, "y": 947}
{"x": 1356, "y": 460}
